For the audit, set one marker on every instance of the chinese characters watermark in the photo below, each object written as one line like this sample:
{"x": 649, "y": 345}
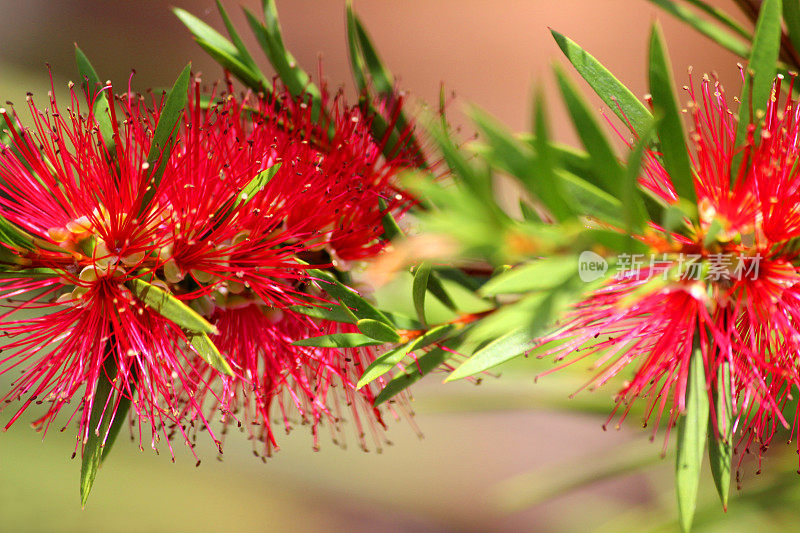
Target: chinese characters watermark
{"x": 718, "y": 267}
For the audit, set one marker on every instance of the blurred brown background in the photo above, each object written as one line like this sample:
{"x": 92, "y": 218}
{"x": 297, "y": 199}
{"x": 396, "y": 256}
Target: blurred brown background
{"x": 490, "y": 53}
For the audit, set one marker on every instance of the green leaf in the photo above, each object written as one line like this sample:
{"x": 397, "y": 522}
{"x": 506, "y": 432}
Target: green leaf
{"x": 401, "y": 321}
{"x": 717, "y": 34}
{"x": 692, "y": 431}
{"x": 722, "y": 17}
{"x": 436, "y": 288}
{"x": 269, "y": 38}
{"x": 93, "y": 86}
{"x": 593, "y": 201}
{"x": 377, "y": 330}
{"x": 669, "y": 124}
{"x": 762, "y": 63}
{"x": 616, "y": 96}
{"x": 791, "y": 16}
{"x": 416, "y": 371}
{"x": 592, "y": 137}
{"x": 535, "y": 173}
{"x": 120, "y": 418}
{"x": 29, "y": 273}
{"x": 432, "y": 336}
{"x": 391, "y": 230}
{"x": 359, "y": 306}
{"x": 233, "y": 57}
{"x": 357, "y": 63}
{"x": 165, "y": 134}
{"x": 554, "y": 196}
{"x": 365, "y": 61}
{"x": 243, "y": 55}
{"x": 256, "y": 184}
{"x": 206, "y": 349}
{"x": 458, "y": 163}
{"x": 382, "y": 79}
{"x": 517, "y": 341}
{"x": 720, "y": 439}
{"x": 419, "y": 289}
{"x": 382, "y": 365}
{"x": 168, "y": 306}
{"x": 390, "y": 359}
{"x": 15, "y": 237}
{"x": 338, "y": 340}
{"x": 201, "y": 30}
{"x": 632, "y": 200}
{"x": 539, "y": 274}
{"x": 99, "y": 421}
{"x": 614, "y": 240}
{"x": 335, "y": 314}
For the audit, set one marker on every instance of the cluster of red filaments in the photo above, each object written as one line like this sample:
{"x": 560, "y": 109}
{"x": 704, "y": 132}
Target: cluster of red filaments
{"x": 255, "y": 191}
{"x": 746, "y": 323}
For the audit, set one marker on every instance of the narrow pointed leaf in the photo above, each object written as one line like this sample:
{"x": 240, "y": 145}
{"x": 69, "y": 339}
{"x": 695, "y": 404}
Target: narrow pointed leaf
{"x": 458, "y": 163}
{"x": 357, "y": 64}
{"x": 592, "y": 137}
{"x": 592, "y": 200}
{"x": 632, "y": 199}
{"x": 166, "y": 130}
{"x": 206, "y": 349}
{"x": 93, "y": 86}
{"x": 359, "y": 306}
{"x": 436, "y": 288}
{"x": 269, "y": 37}
{"x": 616, "y": 96}
{"x": 168, "y": 306}
{"x": 515, "y": 342}
{"x": 720, "y": 439}
{"x": 416, "y": 371}
{"x": 390, "y": 359}
{"x": 243, "y": 55}
{"x": 256, "y": 184}
{"x": 336, "y": 314}
{"x": 535, "y": 173}
{"x": 719, "y": 35}
{"x": 120, "y": 418}
{"x": 377, "y": 330}
{"x": 721, "y": 16}
{"x": 338, "y": 340}
{"x": 539, "y": 274}
{"x": 791, "y": 16}
{"x": 391, "y": 230}
{"x": 669, "y": 123}
{"x": 364, "y": 60}
{"x": 230, "y": 56}
{"x": 15, "y": 237}
{"x": 201, "y": 30}
{"x": 102, "y": 406}
{"x": 762, "y": 64}
{"x": 419, "y": 289}
{"x": 381, "y": 365}
{"x": 382, "y": 79}
{"x": 692, "y": 431}
{"x": 557, "y": 201}
{"x": 432, "y": 336}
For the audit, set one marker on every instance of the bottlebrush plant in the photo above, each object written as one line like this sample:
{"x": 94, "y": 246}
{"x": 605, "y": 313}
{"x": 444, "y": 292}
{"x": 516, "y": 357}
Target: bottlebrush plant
{"x": 172, "y": 260}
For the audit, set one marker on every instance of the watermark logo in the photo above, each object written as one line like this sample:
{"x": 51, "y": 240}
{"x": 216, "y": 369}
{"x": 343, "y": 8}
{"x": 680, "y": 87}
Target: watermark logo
{"x": 718, "y": 267}
{"x": 591, "y": 266}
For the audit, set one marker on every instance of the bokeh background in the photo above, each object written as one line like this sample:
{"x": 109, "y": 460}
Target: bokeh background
{"x": 503, "y": 456}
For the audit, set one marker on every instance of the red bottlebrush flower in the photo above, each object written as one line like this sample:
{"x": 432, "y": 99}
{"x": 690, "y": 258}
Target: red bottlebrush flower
{"x": 72, "y": 320}
{"x": 245, "y": 260}
{"x": 728, "y": 288}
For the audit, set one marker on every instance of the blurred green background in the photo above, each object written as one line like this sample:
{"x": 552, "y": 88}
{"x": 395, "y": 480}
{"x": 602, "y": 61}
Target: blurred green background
{"x": 504, "y": 456}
